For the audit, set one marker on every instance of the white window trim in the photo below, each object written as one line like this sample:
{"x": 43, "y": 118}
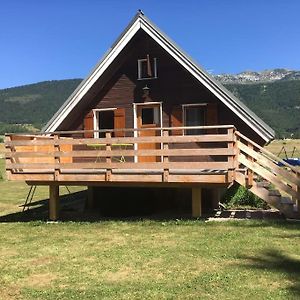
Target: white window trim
{"x": 96, "y": 119}
{"x": 142, "y": 60}
{"x": 184, "y": 106}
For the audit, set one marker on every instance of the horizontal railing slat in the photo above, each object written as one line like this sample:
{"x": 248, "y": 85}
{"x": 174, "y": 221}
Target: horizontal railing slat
{"x": 126, "y": 152}
{"x": 101, "y": 142}
{"x": 68, "y": 132}
{"x": 125, "y": 165}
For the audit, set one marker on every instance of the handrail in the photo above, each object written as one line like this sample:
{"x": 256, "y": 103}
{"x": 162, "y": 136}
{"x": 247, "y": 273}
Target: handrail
{"x": 263, "y": 150}
{"x": 263, "y": 163}
{"x": 43, "y": 134}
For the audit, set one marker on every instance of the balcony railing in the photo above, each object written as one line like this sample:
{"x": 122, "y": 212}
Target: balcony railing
{"x": 127, "y": 155}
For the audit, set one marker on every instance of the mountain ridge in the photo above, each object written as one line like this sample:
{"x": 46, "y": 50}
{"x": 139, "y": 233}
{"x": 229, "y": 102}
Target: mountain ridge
{"x": 247, "y": 77}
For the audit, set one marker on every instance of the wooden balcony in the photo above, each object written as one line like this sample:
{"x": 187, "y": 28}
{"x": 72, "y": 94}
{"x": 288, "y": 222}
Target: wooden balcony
{"x": 124, "y": 157}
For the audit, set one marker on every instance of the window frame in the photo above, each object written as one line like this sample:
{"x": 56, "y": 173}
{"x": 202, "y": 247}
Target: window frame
{"x": 96, "y": 113}
{"x": 140, "y": 68}
{"x": 186, "y": 106}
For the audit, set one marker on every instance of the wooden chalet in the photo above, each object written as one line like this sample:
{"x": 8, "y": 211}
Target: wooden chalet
{"x": 149, "y": 117}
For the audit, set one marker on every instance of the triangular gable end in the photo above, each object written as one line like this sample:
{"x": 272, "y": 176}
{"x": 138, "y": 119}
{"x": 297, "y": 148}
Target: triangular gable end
{"x": 143, "y": 23}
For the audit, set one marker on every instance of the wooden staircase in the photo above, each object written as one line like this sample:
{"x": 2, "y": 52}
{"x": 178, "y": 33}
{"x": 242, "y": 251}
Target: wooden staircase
{"x": 257, "y": 169}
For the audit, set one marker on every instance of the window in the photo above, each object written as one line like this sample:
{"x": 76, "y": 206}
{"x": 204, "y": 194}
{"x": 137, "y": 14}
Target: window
{"x": 194, "y": 115}
{"x": 147, "y": 68}
{"x": 104, "y": 119}
{"x": 150, "y": 115}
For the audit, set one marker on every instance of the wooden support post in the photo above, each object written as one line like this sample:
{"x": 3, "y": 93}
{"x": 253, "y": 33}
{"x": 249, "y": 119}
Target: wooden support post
{"x": 108, "y": 158}
{"x": 196, "y": 202}
{"x": 53, "y": 202}
{"x": 90, "y": 197}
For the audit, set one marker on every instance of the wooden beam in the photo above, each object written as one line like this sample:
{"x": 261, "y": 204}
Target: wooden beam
{"x": 196, "y": 202}
{"x": 53, "y": 202}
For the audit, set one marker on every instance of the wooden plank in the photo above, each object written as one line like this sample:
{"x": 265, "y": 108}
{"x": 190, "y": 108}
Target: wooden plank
{"x": 196, "y": 202}
{"x": 262, "y": 160}
{"x": 33, "y": 177}
{"x": 126, "y": 152}
{"x": 125, "y": 165}
{"x": 82, "y": 177}
{"x": 53, "y": 202}
{"x": 130, "y": 130}
{"x": 198, "y": 178}
{"x": 129, "y": 140}
{"x": 268, "y": 176}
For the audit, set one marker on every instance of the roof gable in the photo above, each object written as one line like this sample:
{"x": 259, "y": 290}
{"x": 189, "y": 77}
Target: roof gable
{"x": 140, "y": 22}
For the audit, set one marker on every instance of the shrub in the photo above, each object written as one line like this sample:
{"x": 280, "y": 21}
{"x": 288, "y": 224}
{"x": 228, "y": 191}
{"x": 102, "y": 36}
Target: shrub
{"x": 238, "y": 196}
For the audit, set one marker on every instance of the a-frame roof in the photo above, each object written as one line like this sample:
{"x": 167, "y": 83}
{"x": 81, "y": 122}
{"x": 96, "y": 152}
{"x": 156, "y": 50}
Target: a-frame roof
{"x": 141, "y": 22}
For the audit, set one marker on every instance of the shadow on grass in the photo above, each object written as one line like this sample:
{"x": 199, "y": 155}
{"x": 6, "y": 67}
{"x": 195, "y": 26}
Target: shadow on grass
{"x": 38, "y": 210}
{"x": 276, "y": 261}
{"x": 73, "y": 209}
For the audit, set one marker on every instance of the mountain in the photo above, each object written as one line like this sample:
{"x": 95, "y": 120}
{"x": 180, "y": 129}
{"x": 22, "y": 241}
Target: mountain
{"x": 33, "y": 103}
{"x": 273, "y": 95}
{"x": 259, "y": 77}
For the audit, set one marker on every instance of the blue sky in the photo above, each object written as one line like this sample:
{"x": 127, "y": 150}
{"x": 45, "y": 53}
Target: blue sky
{"x": 58, "y": 39}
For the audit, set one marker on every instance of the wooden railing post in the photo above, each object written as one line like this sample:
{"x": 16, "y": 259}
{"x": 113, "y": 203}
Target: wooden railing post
{"x": 108, "y": 158}
{"x": 250, "y": 172}
{"x": 56, "y": 157}
{"x": 230, "y": 159}
{"x": 7, "y": 159}
{"x": 166, "y": 157}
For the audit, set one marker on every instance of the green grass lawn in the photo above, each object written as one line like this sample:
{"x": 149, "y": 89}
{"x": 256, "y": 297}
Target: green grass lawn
{"x": 147, "y": 259}
{"x": 150, "y": 260}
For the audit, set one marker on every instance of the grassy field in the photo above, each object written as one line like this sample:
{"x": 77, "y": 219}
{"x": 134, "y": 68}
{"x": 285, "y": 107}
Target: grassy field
{"x": 146, "y": 259}
{"x": 276, "y": 146}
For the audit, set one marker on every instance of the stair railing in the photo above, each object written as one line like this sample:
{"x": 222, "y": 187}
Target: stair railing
{"x": 261, "y": 163}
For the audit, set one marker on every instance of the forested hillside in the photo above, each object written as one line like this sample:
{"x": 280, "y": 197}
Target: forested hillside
{"x": 277, "y": 103}
{"x": 33, "y": 104}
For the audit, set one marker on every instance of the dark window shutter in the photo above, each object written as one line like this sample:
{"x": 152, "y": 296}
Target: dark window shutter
{"x": 88, "y": 123}
{"x": 119, "y": 121}
{"x": 212, "y": 116}
{"x": 176, "y": 119}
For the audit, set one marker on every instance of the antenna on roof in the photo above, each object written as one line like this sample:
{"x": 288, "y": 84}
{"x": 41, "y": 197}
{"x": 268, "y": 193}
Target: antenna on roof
{"x": 140, "y": 12}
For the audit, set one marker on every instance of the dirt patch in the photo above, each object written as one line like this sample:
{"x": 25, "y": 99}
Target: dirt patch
{"x": 41, "y": 261}
{"x": 39, "y": 280}
{"x": 120, "y": 275}
{"x": 10, "y": 293}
